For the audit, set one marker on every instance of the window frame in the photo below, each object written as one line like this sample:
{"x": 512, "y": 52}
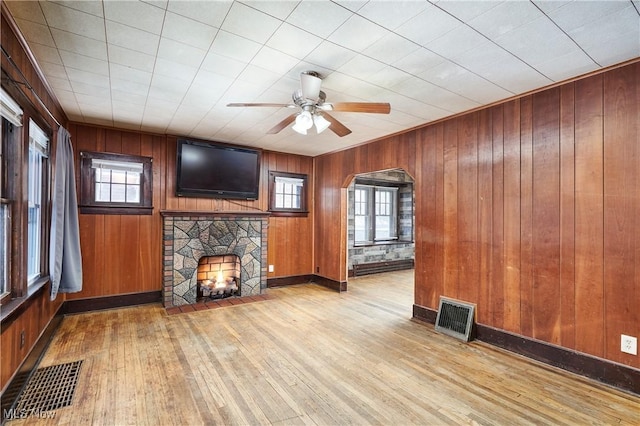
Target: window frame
{"x": 88, "y": 203}
{"x": 36, "y": 139}
{"x": 371, "y": 189}
{"x": 288, "y": 211}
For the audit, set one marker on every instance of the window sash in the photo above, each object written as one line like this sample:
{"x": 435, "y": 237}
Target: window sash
{"x": 38, "y": 152}
{"x": 375, "y": 213}
{"x": 5, "y": 248}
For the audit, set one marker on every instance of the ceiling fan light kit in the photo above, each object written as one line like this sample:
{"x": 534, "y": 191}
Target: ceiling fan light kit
{"x": 311, "y": 100}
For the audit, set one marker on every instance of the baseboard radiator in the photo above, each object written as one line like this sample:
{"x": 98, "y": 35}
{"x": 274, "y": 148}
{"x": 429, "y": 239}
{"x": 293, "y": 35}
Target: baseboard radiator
{"x": 455, "y": 318}
{"x": 360, "y": 269}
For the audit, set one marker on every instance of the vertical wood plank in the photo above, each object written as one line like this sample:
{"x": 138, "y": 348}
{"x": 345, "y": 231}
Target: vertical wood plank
{"x": 485, "y": 215}
{"x": 512, "y": 216}
{"x": 526, "y": 219}
{"x": 450, "y": 234}
{"x": 467, "y": 208}
{"x": 567, "y": 217}
{"x": 496, "y": 281}
{"x": 621, "y": 200}
{"x": 589, "y": 216}
{"x": 546, "y": 217}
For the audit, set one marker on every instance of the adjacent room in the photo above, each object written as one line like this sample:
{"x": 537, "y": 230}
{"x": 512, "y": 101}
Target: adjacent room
{"x": 320, "y": 212}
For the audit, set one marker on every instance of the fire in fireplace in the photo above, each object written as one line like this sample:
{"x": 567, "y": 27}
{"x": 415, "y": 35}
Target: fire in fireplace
{"x": 218, "y": 276}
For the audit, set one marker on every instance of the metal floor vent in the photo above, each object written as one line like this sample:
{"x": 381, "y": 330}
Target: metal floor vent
{"x": 455, "y": 318}
{"x": 50, "y": 388}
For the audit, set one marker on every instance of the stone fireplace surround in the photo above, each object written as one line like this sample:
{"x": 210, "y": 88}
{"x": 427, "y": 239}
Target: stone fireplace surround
{"x": 189, "y": 236}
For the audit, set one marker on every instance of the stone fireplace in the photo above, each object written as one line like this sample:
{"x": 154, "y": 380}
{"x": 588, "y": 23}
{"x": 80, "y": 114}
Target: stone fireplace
{"x": 190, "y": 237}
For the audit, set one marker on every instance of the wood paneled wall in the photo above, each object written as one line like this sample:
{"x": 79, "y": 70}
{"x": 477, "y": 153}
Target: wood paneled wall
{"x": 123, "y": 254}
{"x": 35, "y": 313}
{"x": 530, "y": 209}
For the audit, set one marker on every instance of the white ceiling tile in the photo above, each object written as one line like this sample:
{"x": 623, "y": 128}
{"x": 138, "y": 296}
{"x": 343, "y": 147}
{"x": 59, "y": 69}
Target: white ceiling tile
{"x": 81, "y": 45}
{"x": 350, "y": 34}
{"x": 80, "y": 88}
{"x": 36, "y": 33}
{"x": 418, "y": 61}
{"x": 505, "y": 17}
{"x": 512, "y": 74}
{"x": 208, "y": 12}
{"x": 179, "y": 52}
{"x": 319, "y": 18}
{"x": 578, "y": 14}
{"x": 387, "y": 77}
{"x": 162, "y": 4}
{"x": 547, "y": 6}
{"x": 352, "y": 5}
{"x": 391, "y": 48}
{"x": 330, "y": 55}
{"x": 250, "y": 23}
{"x": 85, "y": 63}
{"x": 561, "y": 67}
{"x": 80, "y": 76}
{"x": 428, "y": 25}
{"x": 273, "y": 60}
{"x": 27, "y": 11}
{"x": 456, "y": 42}
{"x": 188, "y": 31}
{"x": 277, "y": 8}
{"x": 173, "y": 69}
{"x": 66, "y": 97}
{"x": 537, "y": 41}
{"x": 132, "y": 38}
{"x": 459, "y": 80}
{"x": 53, "y": 70}
{"x": 235, "y": 47}
{"x": 392, "y": 14}
{"x": 124, "y": 92}
{"x": 214, "y": 82}
{"x": 128, "y": 96}
{"x": 361, "y": 66}
{"x": 92, "y": 7}
{"x": 340, "y": 88}
{"x": 74, "y": 21}
{"x": 102, "y": 102}
{"x": 201, "y": 96}
{"x": 618, "y": 36}
{"x": 59, "y": 83}
{"x": 142, "y": 16}
{"x": 293, "y": 41}
{"x": 168, "y": 88}
{"x": 46, "y": 53}
{"x": 432, "y": 94}
{"x": 222, "y": 65}
{"x": 130, "y": 58}
{"x": 466, "y": 10}
{"x": 258, "y": 76}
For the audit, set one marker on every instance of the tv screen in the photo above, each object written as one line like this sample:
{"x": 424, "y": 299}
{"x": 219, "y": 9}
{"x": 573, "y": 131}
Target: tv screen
{"x": 215, "y": 170}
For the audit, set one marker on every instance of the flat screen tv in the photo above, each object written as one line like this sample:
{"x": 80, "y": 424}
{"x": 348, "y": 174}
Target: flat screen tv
{"x": 217, "y": 171}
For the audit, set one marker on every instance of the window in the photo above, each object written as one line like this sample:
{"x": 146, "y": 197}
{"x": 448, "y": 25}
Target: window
{"x": 10, "y": 129}
{"x": 288, "y": 193}
{"x": 37, "y": 197}
{"x": 115, "y": 183}
{"x": 376, "y": 213}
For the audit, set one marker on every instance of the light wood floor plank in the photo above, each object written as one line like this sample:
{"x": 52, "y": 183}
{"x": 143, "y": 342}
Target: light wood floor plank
{"x": 310, "y": 356}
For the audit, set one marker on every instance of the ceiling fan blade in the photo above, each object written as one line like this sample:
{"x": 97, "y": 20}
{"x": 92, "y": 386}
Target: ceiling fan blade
{"x": 336, "y": 127}
{"x": 281, "y": 125}
{"x": 260, "y": 105}
{"x": 370, "y": 107}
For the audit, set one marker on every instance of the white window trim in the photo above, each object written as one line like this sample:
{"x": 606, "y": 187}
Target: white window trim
{"x": 10, "y": 109}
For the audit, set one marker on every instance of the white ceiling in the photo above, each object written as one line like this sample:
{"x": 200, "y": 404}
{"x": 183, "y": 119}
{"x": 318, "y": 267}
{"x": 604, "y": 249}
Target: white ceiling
{"x": 172, "y": 66}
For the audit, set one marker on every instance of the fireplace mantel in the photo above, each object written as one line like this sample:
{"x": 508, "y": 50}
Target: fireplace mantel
{"x": 209, "y": 213}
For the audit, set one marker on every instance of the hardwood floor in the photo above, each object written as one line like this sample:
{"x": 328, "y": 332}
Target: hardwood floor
{"x": 311, "y": 356}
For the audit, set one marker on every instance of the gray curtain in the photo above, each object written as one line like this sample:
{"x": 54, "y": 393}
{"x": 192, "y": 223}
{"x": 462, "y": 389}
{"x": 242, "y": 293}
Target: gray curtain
{"x": 65, "y": 259}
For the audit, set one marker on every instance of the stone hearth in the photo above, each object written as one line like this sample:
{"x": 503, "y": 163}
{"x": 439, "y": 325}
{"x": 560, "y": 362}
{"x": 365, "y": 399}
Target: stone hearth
{"x": 189, "y": 236}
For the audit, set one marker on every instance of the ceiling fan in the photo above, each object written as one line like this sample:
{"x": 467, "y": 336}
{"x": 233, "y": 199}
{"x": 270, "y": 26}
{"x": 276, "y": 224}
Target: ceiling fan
{"x": 313, "y": 108}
